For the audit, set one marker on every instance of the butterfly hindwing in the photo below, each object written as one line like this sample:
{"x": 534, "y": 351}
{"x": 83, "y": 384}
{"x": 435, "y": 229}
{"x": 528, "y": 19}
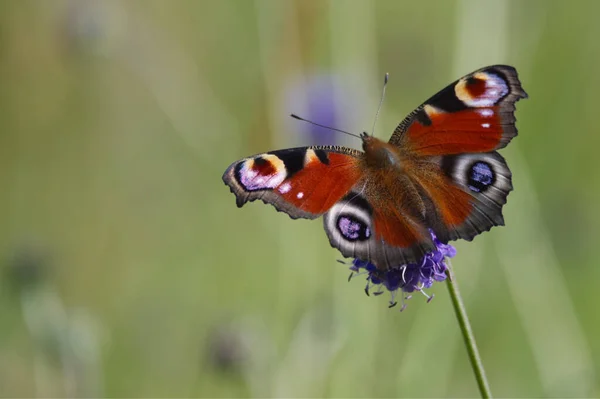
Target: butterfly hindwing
{"x": 381, "y": 232}
{"x": 466, "y": 195}
{"x": 473, "y": 114}
{"x": 303, "y": 182}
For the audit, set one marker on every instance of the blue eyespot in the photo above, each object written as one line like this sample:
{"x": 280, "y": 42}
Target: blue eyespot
{"x": 481, "y": 177}
{"x": 353, "y": 229}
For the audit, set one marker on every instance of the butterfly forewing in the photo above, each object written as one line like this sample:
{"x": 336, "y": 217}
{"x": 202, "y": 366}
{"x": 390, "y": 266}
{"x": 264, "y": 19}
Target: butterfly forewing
{"x": 473, "y": 114}
{"x": 303, "y": 182}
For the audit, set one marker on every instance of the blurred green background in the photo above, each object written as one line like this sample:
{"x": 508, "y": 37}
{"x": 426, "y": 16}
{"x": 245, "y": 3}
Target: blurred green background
{"x": 128, "y": 271}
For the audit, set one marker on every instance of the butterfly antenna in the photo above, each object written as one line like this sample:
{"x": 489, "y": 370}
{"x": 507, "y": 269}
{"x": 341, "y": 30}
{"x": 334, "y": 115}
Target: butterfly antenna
{"x": 326, "y": 127}
{"x": 385, "y": 80}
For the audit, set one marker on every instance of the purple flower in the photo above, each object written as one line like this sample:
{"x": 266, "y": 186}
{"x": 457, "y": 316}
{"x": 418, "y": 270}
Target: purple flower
{"x": 407, "y": 278}
{"x": 324, "y": 98}
{"x": 321, "y": 109}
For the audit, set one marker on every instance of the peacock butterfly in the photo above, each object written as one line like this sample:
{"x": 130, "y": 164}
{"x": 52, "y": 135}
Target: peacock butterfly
{"x": 439, "y": 171}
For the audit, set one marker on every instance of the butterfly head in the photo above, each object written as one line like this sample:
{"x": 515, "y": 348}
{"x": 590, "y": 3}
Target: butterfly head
{"x": 379, "y": 154}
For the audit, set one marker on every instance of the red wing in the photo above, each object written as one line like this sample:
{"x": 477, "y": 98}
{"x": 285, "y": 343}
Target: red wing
{"x": 473, "y": 114}
{"x": 302, "y": 182}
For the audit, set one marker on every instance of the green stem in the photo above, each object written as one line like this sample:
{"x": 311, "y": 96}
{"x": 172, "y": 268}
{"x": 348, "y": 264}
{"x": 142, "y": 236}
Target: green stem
{"x": 467, "y": 333}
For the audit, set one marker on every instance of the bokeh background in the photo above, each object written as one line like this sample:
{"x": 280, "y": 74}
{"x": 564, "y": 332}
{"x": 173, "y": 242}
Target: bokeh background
{"x": 128, "y": 271}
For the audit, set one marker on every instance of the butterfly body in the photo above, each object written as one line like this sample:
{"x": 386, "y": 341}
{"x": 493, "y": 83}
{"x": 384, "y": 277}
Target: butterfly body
{"x": 439, "y": 171}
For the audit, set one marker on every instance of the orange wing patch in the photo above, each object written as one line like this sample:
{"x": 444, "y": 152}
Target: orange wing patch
{"x": 469, "y": 130}
{"x": 453, "y": 205}
{"x": 395, "y": 229}
{"x": 318, "y": 186}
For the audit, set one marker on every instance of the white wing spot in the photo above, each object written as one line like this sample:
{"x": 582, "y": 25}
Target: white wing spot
{"x": 300, "y": 194}
{"x": 486, "y": 125}
{"x": 284, "y": 188}
{"x": 486, "y": 112}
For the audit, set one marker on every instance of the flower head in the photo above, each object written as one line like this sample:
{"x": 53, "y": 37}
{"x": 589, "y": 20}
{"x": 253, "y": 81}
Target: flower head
{"x": 407, "y": 278}
{"x": 324, "y": 98}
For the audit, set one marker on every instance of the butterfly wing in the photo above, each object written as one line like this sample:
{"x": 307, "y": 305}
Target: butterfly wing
{"x": 465, "y": 195}
{"x": 379, "y": 223}
{"x": 455, "y": 133}
{"x": 303, "y": 182}
{"x": 361, "y": 218}
{"x": 473, "y": 114}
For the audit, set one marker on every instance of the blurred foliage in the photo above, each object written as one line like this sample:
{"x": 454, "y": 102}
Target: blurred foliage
{"x": 117, "y": 120}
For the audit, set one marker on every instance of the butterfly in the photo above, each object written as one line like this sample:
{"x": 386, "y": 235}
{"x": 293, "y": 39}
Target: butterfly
{"x": 440, "y": 171}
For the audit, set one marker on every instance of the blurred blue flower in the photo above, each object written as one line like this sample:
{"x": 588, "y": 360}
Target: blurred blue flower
{"x": 323, "y": 98}
{"x": 321, "y": 109}
{"x": 408, "y": 278}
